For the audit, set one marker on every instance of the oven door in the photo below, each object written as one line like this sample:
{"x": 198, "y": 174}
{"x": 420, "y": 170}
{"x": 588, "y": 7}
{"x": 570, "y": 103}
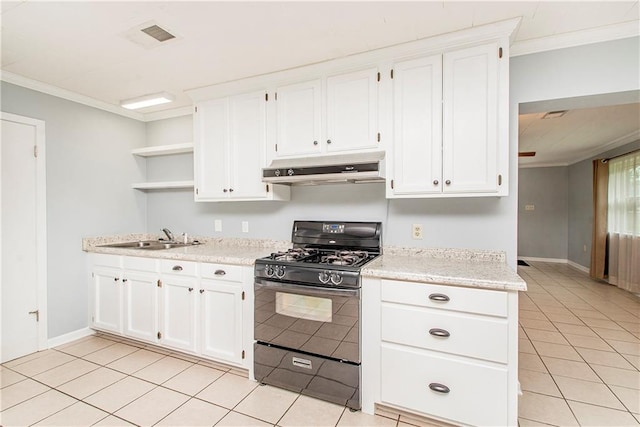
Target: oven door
{"x": 315, "y": 320}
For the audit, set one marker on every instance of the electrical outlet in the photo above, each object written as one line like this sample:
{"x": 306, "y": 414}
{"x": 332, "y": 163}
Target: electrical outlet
{"x": 217, "y": 225}
{"x": 529, "y": 207}
{"x": 245, "y": 226}
{"x": 584, "y": 248}
{"x": 416, "y": 231}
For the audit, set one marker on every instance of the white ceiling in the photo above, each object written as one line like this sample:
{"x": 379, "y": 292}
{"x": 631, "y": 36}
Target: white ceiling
{"x": 86, "y": 47}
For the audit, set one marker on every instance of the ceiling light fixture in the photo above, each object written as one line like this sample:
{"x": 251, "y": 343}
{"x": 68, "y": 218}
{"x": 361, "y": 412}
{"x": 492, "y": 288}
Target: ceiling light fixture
{"x": 147, "y": 101}
{"x": 555, "y": 114}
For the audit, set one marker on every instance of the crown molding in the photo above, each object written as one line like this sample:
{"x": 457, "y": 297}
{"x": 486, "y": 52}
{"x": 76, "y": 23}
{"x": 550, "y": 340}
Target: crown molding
{"x": 576, "y": 38}
{"x": 618, "y": 142}
{"x": 542, "y": 165}
{"x": 67, "y": 94}
{"x": 168, "y": 114}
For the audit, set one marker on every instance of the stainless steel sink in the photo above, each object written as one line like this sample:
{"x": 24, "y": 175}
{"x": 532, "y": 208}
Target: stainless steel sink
{"x": 150, "y": 245}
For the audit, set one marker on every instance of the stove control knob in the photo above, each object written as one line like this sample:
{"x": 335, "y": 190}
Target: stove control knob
{"x": 324, "y": 276}
{"x": 279, "y": 271}
{"x": 290, "y": 172}
{"x": 277, "y": 172}
{"x": 336, "y": 278}
{"x": 268, "y": 270}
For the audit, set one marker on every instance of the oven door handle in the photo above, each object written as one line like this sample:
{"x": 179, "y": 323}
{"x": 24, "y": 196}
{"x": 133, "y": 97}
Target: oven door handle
{"x": 306, "y": 290}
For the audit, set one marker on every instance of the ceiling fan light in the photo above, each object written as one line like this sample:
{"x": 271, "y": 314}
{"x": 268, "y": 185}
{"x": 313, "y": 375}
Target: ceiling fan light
{"x": 147, "y": 101}
{"x": 555, "y": 114}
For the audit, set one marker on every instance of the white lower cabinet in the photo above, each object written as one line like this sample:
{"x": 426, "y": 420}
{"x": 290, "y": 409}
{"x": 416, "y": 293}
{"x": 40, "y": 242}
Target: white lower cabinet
{"x": 221, "y": 307}
{"x": 444, "y": 352}
{"x": 187, "y": 306}
{"x": 106, "y": 299}
{"x": 178, "y": 304}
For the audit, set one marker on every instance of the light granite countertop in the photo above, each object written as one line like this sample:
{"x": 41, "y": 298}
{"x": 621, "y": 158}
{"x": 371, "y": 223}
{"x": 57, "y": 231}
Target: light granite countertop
{"x": 212, "y": 250}
{"x": 457, "y": 267}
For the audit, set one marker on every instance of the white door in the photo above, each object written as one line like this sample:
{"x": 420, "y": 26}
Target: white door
{"x": 298, "y": 119}
{"x": 107, "y": 303}
{"x": 23, "y": 237}
{"x": 221, "y": 329}
{"x": 470, "y": 123}
{"x": 178, "y": 315}
{"x": 352, "y": 111}
{"x": 417, "y": 114}
{"x": 211, "y": 133}
{"x": 247, "y": 145}
{"x": 140, "y": 305}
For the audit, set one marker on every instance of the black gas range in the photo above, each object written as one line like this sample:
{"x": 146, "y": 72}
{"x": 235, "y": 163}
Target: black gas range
{"x": 307, "y": 310}
{"x": 328, "y": 254}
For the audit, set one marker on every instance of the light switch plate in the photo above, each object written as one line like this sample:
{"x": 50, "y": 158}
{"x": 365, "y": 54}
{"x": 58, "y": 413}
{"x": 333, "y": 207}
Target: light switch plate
{"x": 245, "y": 226}
{"x": 217, "y": 225}
{"x": 529, "y": 207}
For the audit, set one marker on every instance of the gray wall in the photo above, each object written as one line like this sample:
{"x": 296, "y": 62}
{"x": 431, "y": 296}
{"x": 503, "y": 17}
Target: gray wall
{"x": 580, "y": 182}
{"x": 543, "y": 232}
{"x": 89, "y": 174}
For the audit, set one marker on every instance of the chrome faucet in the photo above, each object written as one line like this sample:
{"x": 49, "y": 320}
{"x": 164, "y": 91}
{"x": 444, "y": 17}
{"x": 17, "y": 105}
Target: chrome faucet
{"x": 168, "y": 233}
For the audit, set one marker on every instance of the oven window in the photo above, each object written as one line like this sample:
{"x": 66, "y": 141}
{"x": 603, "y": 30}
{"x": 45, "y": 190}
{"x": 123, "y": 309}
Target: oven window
{"x": 304, "y": 307}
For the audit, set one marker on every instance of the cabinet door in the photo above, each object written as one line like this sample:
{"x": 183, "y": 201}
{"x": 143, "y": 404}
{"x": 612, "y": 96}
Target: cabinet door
{"x": 140, "y": 305}
{"x": 298, "y": 119}
{"x": 107, "y": 299}
{"x": 352, "y": 111}
{"x": 417, "y": 114}
{"x": 247, "y": 145}
{"x": 470, "y": 125}
{"x": 178, "y": 312}
{"x": 221, "y": 317}
{"x": 211, "y": 134}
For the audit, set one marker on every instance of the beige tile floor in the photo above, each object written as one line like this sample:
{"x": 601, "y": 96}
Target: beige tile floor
{"x": 579, "y": 350}
{"x": 579, "y": 365}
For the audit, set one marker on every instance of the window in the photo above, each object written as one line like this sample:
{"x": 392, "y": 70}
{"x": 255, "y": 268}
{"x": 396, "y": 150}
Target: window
{"x": 624, "y": 195}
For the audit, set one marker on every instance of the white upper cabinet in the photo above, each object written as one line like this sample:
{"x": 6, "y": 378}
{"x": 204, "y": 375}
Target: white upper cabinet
{"x": 470, "y": 123}
{"x": 298, "y": 115}
{"x": 230, "y": 150}
{"x": 333, "y": 114}
{"x": 417, "y": 139}
{"x": 449, "y": 136}
{"x": 352, "y": 111}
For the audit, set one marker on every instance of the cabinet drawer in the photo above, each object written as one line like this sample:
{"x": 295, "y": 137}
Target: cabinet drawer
{"x": 482, "y": 338}
{"x": 105, "y": 260}
{"x": 477, "y": 394}
{"x": 140, "y": 264}
{"x": 229, "y": 273}
{"x": 182, "y": 268}
{"x": 479, "y": 301}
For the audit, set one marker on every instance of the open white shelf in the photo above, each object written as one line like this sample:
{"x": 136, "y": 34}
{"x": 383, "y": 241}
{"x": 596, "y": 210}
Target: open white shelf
{"x": 162, "y": 185}
{"x": 163, "y": 150}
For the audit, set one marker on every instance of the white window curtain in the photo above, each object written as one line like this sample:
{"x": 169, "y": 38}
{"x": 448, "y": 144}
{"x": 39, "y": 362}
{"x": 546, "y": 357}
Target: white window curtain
{"x": 623, "y": 222}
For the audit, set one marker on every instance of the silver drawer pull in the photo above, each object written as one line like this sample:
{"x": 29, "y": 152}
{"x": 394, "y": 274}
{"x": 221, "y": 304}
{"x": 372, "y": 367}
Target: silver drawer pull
{"x": 439, "y": 297}
{"x": 439, "y": 388}
{"x": 220, "y": 272}
{"x": 302, "y": 363}
{"x": 177, "y": 268}
{"x": 437, "y": 332}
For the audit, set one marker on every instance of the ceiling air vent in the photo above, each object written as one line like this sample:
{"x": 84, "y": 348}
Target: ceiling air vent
{"x": 158, "y": 33}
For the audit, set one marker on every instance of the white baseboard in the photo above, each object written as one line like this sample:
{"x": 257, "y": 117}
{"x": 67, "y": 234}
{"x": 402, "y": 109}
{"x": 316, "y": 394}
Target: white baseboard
{"x": 557, "y": 261}
{"x": 71, "y": 336}
{"x": 578, "y": 266}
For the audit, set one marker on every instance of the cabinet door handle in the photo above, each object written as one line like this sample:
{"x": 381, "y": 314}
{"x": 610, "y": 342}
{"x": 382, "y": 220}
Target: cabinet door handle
{"x": 436, "y": 182}
{"x": 201, "y": 291}
{"x": 315, "y": 142}
{"x": 439, "y": 388}
{"x": 220, "y": 272}
{"x": 231, "y": 190}
{"x": 328, "y": 141}
{"x": 448, "y": 182}
{"x": 224, "y": 190}
{"x": 437, "y": 332}
{"x": 125, "y": 280}
{"x": 116, "y": 279}
{"x": 439, "y": 297}
{"x": 177, "y": 268}
{"x": 190, "y": 289}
